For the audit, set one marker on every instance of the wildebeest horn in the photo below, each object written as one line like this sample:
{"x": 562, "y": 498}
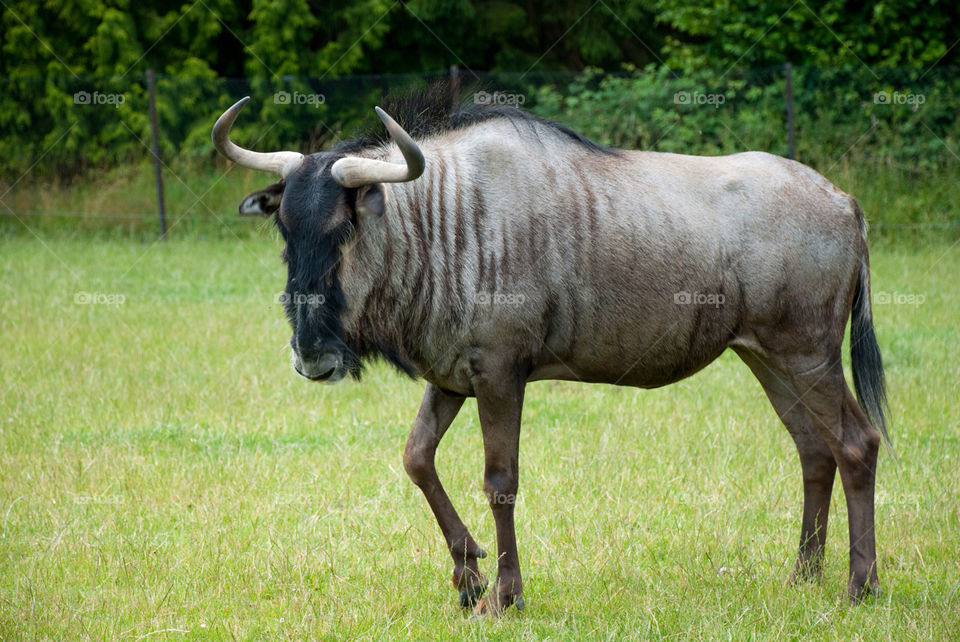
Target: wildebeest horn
{"x": 278, "y": 162}
{"x": 355, "y": 172}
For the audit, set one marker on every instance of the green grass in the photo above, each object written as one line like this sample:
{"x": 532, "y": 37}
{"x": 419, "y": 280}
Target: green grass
{"x": 163, "y": 471}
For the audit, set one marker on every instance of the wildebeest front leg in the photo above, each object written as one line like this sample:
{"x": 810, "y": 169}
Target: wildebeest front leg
{"x": 500, "y": 402}
{"x": 437, "y": 411}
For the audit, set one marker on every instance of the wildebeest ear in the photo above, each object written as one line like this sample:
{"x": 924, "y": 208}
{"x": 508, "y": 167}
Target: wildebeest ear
{"x": 371, "y": 200}
{"x": 264, "y": 202}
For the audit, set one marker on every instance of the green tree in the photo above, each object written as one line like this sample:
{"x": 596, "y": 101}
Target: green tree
{"x": 755, "y": 33}
{"x": 504, "y": 35}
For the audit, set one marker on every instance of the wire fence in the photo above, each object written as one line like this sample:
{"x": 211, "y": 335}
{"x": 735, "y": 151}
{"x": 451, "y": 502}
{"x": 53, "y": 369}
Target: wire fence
{"x": 71, "y": 124}
{"x": 70, "y": 132}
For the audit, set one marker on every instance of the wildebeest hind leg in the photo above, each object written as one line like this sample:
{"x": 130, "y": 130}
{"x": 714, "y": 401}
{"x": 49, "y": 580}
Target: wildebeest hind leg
{"x": 816, "y": 462}
{"x": 437, "y": 411}
{"x": 855, "y": 444}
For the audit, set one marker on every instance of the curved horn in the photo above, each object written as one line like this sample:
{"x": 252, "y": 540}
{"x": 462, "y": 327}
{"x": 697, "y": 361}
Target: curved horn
{"x": 356, "y": 172}
{"x": 278, "y": 162}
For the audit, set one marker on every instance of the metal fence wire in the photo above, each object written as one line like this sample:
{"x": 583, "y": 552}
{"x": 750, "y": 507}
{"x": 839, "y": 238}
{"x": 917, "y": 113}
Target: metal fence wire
{"x": 61, "y": 128}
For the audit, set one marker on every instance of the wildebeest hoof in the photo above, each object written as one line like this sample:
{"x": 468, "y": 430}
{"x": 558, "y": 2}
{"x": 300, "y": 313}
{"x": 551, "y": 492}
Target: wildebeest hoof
{"x": 470, "y": 596}
{"x": 492, "y": 606}
{"x": 858, "y": 593}
{"x": 472, "y": 584}
{"x": 806, "y": 570}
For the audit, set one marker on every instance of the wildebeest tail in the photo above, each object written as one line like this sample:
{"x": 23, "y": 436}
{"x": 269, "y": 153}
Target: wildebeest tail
{"x": 868, "y": 378}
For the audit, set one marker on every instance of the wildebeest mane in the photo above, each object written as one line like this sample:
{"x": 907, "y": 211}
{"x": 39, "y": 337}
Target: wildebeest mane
{"x": 431, "y": 111}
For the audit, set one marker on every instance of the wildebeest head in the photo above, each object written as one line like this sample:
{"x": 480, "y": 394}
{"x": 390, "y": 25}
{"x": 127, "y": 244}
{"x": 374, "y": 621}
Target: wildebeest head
{"x": 319, "y": 204}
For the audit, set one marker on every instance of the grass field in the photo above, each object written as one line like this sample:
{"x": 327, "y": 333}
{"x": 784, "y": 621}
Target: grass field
{"x": 165, "y": 473}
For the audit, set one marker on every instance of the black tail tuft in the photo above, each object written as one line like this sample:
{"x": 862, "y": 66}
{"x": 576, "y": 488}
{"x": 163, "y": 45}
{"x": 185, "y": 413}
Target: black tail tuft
{"x": 868, "y": 379}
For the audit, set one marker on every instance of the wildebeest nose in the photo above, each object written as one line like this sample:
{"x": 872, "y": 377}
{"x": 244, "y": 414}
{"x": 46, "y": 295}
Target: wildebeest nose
{"x": 307, "y": 354}
{"x": 307, "y": 351}
{"x": 324, "y": 375}
{"x": 318, "y": 365}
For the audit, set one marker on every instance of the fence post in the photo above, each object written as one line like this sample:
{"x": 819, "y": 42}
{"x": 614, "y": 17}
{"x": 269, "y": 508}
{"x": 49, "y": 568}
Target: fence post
{"x": 454, "y": 86}
{"x": 156, "y": 153}
{"x": 788, "y": 72}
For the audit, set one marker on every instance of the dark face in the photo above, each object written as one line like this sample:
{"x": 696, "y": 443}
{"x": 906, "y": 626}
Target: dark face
{"x": 315, "y": 218}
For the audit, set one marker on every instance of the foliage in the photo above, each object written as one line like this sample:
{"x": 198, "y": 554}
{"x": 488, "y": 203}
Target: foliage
{"x": 751, "y": 33}
{"x": 209, "y": 53}
{"x": 46, "y": 71}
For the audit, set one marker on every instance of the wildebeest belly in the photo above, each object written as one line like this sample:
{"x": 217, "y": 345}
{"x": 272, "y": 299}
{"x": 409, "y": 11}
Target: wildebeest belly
{"x": 645, "y": 342}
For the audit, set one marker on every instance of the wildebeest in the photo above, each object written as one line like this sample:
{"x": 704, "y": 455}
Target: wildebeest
{"x": 489, "y": 247}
